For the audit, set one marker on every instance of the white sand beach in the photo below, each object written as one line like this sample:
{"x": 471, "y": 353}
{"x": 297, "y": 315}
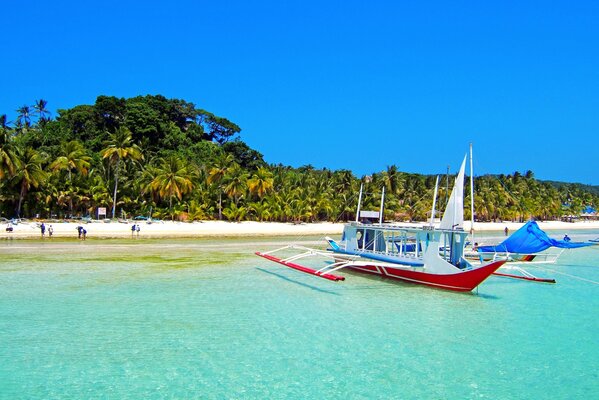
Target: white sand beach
{"x": 168, "y": 229}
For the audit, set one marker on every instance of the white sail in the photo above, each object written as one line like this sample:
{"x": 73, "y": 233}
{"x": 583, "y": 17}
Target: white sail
{"x": 453, "y": 218}
{"x": 434, "y": 209}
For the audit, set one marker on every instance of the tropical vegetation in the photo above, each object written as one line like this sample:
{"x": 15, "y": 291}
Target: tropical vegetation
{"x": 149, "y": 155}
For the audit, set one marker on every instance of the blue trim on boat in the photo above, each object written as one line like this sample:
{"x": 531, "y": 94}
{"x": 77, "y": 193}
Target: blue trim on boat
{"x": 380, "y": 257}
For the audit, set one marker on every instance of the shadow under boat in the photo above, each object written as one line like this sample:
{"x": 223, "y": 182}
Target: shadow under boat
{"x": 286, "y": 278}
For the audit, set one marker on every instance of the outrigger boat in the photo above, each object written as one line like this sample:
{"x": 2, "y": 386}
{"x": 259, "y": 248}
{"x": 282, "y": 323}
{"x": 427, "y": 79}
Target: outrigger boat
{"x": 526, "y": 246}
{"x": 424, "y": 255}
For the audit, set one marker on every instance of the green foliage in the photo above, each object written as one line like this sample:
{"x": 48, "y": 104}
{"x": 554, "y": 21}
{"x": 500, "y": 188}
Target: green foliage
{"x": 165, "y": 156}
{"x": 235, "y": 213}
{"x": 245, "y": 156}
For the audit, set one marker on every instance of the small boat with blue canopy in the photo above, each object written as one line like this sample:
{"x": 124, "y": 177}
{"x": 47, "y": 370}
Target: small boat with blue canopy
{"x": 527, "y": 245}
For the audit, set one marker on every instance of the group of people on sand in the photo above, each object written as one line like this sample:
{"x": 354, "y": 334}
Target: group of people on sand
{"x": 50, "y": 230}
{"x": 82, "y": 233}
{"x": 135, "y": 229}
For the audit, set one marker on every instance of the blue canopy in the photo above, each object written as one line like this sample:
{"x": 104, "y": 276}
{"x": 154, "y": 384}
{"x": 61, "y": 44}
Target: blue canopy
{"x": 530, "y": 239}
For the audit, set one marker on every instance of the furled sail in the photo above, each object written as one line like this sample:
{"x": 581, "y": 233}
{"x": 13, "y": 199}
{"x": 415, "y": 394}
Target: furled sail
{"x": 453, "y": 218}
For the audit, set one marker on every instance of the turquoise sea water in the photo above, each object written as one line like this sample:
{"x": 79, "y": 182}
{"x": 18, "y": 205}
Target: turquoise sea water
{"x": 207, "y": 319}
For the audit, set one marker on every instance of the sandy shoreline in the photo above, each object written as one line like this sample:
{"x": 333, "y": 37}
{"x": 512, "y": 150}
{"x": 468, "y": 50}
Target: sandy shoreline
{"x": 95, "y": 229}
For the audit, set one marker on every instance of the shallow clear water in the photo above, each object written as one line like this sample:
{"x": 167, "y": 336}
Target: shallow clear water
{"x": 207, "y": 319}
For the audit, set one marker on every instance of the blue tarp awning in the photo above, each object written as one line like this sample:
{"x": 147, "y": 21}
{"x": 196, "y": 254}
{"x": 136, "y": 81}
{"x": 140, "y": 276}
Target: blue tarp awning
{"x": 528, "y": 240}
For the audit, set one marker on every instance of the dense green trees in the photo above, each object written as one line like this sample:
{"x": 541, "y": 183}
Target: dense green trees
{"x": 149, "y": 153}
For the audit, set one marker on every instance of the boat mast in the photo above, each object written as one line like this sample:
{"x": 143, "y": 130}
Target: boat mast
{"x": 359, "y": 203}
{"x": 382, "y": 206}
{"x": 447, "y": 185}
{"x": 471, "y": 195}
{"x": 434, "y": 201}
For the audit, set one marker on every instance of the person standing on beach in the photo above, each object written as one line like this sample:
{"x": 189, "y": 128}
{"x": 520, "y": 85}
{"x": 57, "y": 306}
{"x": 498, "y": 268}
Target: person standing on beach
{"x": 43, "y": 229}
{"x": 50, "y": 231}
{"x": 137, "y": 229}
{"x": 132, "y": 230}
{"x": 506, "y": 230}
{"x": 83, "y": 233}
{"x": 79, "y": 229}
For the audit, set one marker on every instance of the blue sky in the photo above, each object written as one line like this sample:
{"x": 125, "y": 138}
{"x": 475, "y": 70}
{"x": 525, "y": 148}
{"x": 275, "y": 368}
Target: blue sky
{"x": 349, "y": 84}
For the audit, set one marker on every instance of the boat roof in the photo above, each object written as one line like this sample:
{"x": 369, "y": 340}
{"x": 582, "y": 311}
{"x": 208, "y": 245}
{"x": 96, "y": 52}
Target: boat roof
{"x": 387, "y": 226}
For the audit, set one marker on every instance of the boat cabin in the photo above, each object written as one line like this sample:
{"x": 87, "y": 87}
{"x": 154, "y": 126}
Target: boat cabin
{"x": 388, "y": 242}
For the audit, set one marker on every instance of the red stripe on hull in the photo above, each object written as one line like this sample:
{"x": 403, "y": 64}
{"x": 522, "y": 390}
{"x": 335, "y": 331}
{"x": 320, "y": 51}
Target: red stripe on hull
{"x": 301, "y": 268}
{"x": 464, "y": 281}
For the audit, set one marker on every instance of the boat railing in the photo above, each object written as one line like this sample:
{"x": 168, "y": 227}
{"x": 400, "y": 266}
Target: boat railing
{"x": 410, "y": 255}
{"x": 531, "y": 258}
{"x": 305, "y": 252}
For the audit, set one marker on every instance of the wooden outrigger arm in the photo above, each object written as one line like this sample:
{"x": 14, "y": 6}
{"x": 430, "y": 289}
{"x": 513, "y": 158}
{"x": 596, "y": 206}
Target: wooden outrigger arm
{"x": 525, "y": 275}
{"x": 307, "y": 252}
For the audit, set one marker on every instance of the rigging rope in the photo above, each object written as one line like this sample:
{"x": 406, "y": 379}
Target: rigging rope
{"x": 570, "y": 275}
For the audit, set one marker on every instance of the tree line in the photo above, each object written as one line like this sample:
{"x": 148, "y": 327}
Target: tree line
{"x": 149, "y": 155}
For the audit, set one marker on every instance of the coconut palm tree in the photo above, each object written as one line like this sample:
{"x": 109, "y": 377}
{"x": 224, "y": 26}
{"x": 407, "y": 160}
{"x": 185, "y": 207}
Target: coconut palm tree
{"x": 393, "y": 180}
{"x": 120, "y": 149}
{"x": 261, "y": 182}
{"x": 41, "y": 111}
{"x": 260, "y": 209}
{"x": 72, "y": 156}
{"x": 24, "y": 117}
{"x": 197, "y": 210}
{"x": 173, "y": 179}
{"x": 99, "y": 191}
{"x": 234, "y": 212}
{"x": 7, "y": 150}
{"x": 235, "y": 183}
{"x": 217, "y": 173}
{"x": 29, "y": 172}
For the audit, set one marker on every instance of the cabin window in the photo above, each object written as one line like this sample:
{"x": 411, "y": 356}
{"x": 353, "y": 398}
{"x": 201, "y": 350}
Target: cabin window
{"x": 369, "y": 239}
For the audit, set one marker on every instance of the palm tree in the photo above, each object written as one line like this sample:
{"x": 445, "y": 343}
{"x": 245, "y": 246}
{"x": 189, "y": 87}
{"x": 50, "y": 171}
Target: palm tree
{"x": 261, "y": 210}
{"x": 261, "y": 182}
{"x": 197, "y": 210}
{"x": 72, "y": 156}
{"x": 29, "y": 172}
{"x": 216, "y": 175}
{"x": 173, "y": 178}
{"x": 24, "y": 117}
{"x": 7, "y": 151}
{"x": 4, "y": 125}
{"x": 235, "y": 183}
{"x": 393, "y": 180}
{"x": 99, "y": 191}
{"x": 120, "y": 149}
{"x": 235, "y": 213}
{"x": 41, "y": 111}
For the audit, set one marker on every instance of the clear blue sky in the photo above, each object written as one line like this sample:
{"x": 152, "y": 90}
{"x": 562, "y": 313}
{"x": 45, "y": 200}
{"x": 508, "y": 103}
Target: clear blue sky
{"x": 341, "y": 84}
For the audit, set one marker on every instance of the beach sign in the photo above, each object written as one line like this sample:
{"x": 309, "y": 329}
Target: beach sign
{"x": 369, "y": 214}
